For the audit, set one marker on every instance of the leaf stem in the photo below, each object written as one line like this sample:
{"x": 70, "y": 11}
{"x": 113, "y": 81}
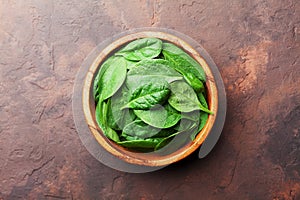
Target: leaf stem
{"x": 205, "y": 109}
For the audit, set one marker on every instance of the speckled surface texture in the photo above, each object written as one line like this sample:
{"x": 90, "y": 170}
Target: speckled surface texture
{"x": 255, "y": 44}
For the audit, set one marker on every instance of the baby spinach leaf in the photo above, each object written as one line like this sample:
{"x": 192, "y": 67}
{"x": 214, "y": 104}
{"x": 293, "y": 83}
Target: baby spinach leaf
{"x": 141, "y": 49}
{"x": 186, "y": 65}
{"x": 129, "y": 138}
{"x": 95, "y": 88}
{"x": 167, "y": 139}
{"x": 177, "y": 139}
{"x": 194, "y": 133}
{"x": 162, "y": 143}
{"x": 111, "y": 134}
{"x": 117, "y": 118}
{"x": 184, "y": 99}
{"x": 183, "y": 60}
{"x": 159, "y": 117}
{"x": 131, "y": 64}
{"x": 102, "y": 69}
{"x": 193, "y": 116}
{"x": 185, "y": 124}
{"x": 148, "y": 95}
{"x": 140, "y": 129}
{"x": 191, "y": 78}
{"x": 204, "y": 115}
{"x": 101, "y": 113}
{"x": 149, "y": 70}
{"x": 196, "y": 84}
{"x": 112, "y": 77}
{"x": 192, "y": 119}
{"x": 165, "y": 132}
{"x": 196, "y": 119}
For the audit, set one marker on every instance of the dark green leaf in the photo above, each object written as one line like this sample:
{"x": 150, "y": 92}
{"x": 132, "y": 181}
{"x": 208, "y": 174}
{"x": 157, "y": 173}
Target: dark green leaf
{"x": 140, "y": 129}
{"x": 101, "y": 113}
{"x": 148, "y": 95}
{"x": 183, "y": 98}
{"x": 176, "y": 140}
{"x": 165, "y": 140}
{"x": 160, "y": 117}
{"x": 112, "y": 77}
{"x": 193, "y": 116}
{"x": 141, "y": 49}
{"x": 191, "y": 119}
{"x": 204, "y": 115}
{"x": 117, "y": 118}
{"x": 191, "y": 78}
{"x": 165, "y": 132}
{"x": 183, "y": 60}
{"x": 184, "y": 124}
{"x": 186, "y": 65}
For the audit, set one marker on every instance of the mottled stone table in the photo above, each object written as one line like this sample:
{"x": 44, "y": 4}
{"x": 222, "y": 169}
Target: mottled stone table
{"x": 255, "y": 44}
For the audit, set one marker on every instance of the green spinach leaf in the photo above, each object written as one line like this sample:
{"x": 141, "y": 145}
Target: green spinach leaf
{"x": 160, "y": 117}
{"x": 204, "y": 115}
{"x": 101, "y": 113}
{"x": 141, "y": 49}
{"x": 192, "y": 80}
{"x": 117, "y": 117}
{"x": 193, "y": 116}
{"x": 102, "y": 69}
{"x": 184, "y": 124}
{"x": 148, "y": 95}
{"x": 179, "y": 140}
{"x": 150, "y": 70}
{"x": 112, "y": 77}
{"x": 184, "y": 99}
{"x": 131, "y": 64}
{"x": 183, "y": 60}
{"x": 140, "y": 129}
{"x": 166, "y": 140}
{"x": 165, "y": 132}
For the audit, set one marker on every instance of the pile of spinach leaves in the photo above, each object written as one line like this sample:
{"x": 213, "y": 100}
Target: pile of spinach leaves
{"x": 148, "y": 92}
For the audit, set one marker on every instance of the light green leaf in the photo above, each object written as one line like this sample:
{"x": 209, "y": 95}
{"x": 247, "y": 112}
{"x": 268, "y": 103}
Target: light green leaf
{"x": 160, "y": 117}
{"x": 112, "y": 77}
{"x": 151, "y": 70}
{"x": 141, "y": 49}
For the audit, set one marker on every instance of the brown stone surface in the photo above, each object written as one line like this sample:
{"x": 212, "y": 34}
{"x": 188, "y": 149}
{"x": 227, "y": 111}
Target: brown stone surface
{"x": 255, "y": 44}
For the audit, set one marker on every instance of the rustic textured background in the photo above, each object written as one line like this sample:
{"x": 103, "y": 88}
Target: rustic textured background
{"x": 255, "y": 44}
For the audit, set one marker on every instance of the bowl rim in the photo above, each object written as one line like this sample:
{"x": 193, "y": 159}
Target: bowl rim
{"x": 122, "y": 153}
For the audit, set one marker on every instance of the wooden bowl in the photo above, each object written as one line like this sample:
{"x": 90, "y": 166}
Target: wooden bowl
{"x": 153, "y": 158}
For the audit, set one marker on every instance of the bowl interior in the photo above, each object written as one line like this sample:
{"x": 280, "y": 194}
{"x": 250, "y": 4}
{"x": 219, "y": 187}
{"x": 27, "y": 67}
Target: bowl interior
{"x": 177, "y": 149}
